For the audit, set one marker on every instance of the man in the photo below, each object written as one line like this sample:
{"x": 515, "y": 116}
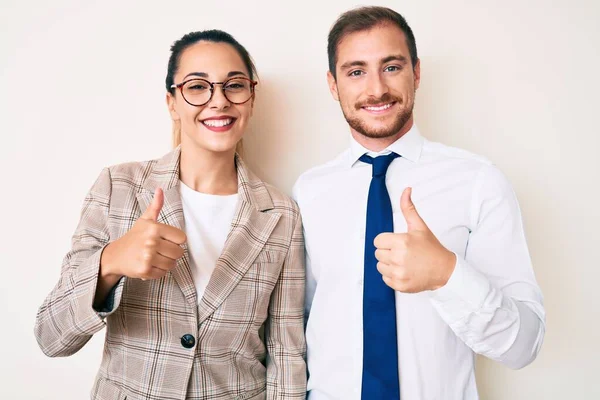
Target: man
{"x": 416, "y": 254}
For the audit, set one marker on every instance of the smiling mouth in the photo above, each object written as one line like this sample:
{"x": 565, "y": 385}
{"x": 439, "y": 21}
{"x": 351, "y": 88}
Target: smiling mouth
{"x": 218, "y": 123}
{"x": 380, "y": 107}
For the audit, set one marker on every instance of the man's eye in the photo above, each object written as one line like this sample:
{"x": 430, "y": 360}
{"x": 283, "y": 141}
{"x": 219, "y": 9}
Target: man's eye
{"x": 392, "y": 68}
{"x": 355, "y": 73}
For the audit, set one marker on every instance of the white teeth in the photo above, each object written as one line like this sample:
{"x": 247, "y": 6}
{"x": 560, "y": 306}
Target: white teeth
{"x": 218, "y": 122}
{"x": 381, "y": 108}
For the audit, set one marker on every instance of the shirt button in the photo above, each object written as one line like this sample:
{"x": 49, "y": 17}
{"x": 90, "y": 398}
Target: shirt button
{"x": 188, "y": 341}
{"x": 360, "y": 282}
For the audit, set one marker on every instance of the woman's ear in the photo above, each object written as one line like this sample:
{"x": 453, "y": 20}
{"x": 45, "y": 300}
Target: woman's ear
{"x": 171, "y": 106}
{"x": 252, "y": 103}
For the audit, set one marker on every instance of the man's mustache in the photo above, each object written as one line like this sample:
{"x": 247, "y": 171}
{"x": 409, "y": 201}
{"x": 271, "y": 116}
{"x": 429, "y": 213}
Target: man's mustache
{"x": 386, "y": 98}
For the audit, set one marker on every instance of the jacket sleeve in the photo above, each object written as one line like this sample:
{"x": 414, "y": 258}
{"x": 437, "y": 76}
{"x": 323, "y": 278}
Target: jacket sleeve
{"x": 284, "y": 333}
{"x": 67, "y": 320}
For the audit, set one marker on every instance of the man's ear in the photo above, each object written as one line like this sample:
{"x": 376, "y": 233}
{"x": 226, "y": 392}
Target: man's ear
{"x": 332, "y": 86}
{"x": 417, "y": 73}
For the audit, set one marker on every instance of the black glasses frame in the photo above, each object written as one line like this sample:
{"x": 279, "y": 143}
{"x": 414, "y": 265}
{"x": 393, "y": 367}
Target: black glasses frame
{"x": 212, "y": 89}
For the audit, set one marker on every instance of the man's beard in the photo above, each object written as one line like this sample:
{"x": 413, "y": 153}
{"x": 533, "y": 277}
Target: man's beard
{"x": 361, "y": 127}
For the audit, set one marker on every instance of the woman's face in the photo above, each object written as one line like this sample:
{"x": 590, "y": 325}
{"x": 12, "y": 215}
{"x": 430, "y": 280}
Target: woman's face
{"x": 218, "y": 125}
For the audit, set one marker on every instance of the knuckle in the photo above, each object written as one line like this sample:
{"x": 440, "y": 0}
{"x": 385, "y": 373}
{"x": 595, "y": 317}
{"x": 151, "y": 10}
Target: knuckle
{"x": 146, "y": 257}
{"x": 390, "y": 282}
{"x": 143, "y": 273}
{"x": 398, "y": 274}
{"x": 378, "y": 254}
{"x": 377, "y": 241}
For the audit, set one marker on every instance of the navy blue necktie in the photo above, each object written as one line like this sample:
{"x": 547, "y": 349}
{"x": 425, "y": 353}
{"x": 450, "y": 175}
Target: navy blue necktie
{"x": 380, "y": 345}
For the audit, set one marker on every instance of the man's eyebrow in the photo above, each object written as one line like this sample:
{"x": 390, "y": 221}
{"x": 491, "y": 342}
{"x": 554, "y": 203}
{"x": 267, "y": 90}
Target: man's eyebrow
{"x": 350, "y": 64}
{"x": 360, "y": 63}
{"x": 397, "y": 57}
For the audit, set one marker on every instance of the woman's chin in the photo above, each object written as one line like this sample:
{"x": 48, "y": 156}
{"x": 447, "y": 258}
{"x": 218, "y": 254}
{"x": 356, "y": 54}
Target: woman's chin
{"x": 222, "y": 144}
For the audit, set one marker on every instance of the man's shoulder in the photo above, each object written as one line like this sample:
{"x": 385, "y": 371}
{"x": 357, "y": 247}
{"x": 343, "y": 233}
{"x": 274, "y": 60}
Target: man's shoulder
{"x": 436, "y": 151}
{"x": 319, "y": 173}
{"x": 486, "y": 175}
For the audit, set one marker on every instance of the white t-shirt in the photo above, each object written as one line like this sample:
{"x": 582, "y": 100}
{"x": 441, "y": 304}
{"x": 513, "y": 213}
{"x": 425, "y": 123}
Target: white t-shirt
{"x": 207, "y": 223}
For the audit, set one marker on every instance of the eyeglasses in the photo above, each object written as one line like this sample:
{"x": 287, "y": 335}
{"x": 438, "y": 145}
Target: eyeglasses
{"x": 198, "y": 92}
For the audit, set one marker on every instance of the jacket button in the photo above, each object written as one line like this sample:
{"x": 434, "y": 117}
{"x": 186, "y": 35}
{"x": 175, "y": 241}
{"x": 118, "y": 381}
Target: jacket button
{"x": 188, "y": 341}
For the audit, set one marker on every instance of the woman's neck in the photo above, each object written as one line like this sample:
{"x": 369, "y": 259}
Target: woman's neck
{"x": 208, "y": 172}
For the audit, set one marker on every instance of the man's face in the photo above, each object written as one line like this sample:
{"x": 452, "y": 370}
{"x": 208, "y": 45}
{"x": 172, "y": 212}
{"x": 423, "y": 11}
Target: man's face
{"x": 376, "y": 81}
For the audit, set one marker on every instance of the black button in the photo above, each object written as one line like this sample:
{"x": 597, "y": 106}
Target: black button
{"x": 188, "y": 341}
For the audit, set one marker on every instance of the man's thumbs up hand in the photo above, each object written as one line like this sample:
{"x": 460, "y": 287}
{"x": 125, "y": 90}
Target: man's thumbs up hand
{"x": 414, "y": 261}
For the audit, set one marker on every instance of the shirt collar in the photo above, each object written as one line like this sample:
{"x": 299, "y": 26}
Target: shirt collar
{"x": 409, "y": 146}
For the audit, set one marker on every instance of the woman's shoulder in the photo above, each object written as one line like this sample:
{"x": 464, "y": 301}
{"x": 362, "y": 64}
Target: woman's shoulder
{"x": 131, "y": 169}
{"x": 124, "y": 179}
{"x": 282, "y": 201}
{"x": 136, "y": 172}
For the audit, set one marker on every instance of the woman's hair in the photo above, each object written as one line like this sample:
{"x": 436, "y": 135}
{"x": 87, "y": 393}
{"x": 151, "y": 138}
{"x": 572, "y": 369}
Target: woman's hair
{"x": 179, "y": 46}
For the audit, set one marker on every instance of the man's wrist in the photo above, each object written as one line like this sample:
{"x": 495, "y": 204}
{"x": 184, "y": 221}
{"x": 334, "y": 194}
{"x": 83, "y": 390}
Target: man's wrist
{"x": 448, "y": 266}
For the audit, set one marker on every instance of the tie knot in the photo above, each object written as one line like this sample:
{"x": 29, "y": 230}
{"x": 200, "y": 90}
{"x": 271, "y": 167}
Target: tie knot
{"x": 380, "y": 163}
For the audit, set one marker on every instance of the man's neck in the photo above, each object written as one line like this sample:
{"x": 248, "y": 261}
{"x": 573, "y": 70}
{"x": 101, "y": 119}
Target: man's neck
{"x": 378, "y": 144}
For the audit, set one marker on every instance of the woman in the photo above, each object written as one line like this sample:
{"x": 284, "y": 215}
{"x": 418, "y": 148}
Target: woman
{"x": 194, "y": 265}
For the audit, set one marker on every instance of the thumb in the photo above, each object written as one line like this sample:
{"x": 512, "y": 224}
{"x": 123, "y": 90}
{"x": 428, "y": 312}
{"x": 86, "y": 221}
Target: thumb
{"x": 412, "y": 217}
{"x": 154, "y": 208}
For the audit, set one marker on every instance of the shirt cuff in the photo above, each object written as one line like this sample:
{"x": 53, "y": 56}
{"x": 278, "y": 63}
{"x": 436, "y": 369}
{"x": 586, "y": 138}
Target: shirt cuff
{"x": 465, "y": 292}
{"x": 109, "y": 302}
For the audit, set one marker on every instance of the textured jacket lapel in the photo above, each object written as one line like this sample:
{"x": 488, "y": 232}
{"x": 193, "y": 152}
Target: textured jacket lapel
{"x": 165, "y": 174}
{"x": 250, "y": 230}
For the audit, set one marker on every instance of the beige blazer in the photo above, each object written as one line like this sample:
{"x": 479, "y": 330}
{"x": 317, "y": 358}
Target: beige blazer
{"x": 242, "y": 340}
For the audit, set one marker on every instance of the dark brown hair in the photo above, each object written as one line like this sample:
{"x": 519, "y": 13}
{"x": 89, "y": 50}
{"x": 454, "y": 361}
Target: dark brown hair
{"x": 362, "y": 19}
{"x": 213, "y": 35}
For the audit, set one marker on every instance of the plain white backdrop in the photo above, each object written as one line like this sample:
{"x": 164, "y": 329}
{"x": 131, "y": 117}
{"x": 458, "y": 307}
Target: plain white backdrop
{"x": 82, "y": 87}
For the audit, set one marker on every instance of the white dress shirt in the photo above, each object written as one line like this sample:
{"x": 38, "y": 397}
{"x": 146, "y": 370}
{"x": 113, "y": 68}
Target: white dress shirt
{"x": 491, "y": 304}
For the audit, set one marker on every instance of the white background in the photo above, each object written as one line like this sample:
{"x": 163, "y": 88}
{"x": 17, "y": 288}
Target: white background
{"x": 82, "y": 87}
